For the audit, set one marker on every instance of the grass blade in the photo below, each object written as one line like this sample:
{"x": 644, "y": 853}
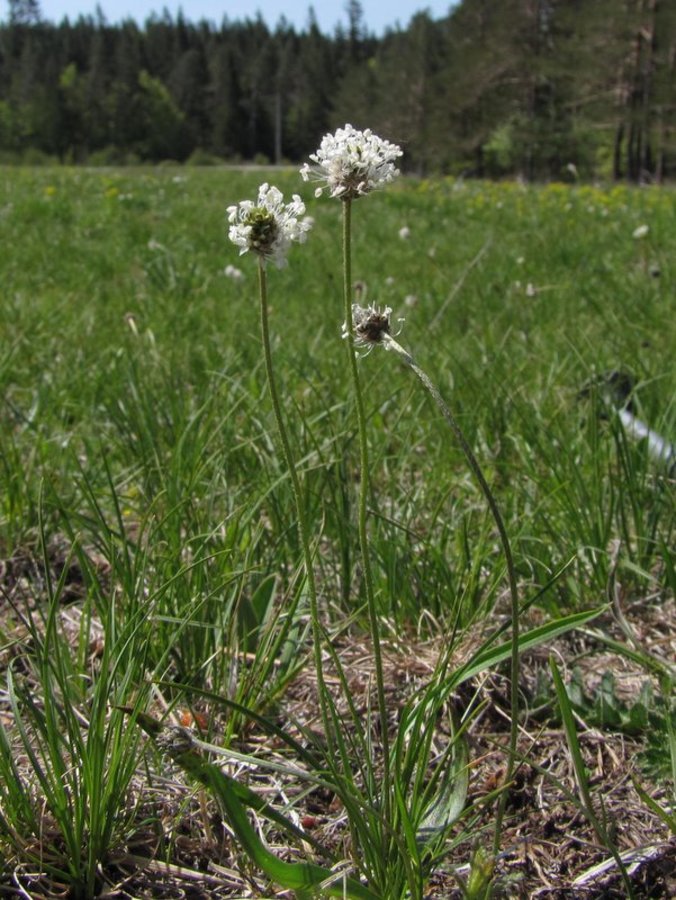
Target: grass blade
{"x": 306, "y": 879}
{"x": 581, "y": 773}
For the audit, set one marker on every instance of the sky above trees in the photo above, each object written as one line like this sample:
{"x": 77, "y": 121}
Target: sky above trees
{"x": 377, "y": 15}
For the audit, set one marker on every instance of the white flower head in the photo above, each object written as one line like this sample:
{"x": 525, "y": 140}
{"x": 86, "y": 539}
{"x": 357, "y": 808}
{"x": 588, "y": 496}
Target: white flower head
{"x": 269, "y": 226}
{"x": 641, "y": 232}
{"x": 352, "y": 163}
{"x": 370, "y": 325}
{"x": 404, "y": 233}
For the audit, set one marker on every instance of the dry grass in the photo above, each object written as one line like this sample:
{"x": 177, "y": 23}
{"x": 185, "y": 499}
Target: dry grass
{"x": 549, "y": 848}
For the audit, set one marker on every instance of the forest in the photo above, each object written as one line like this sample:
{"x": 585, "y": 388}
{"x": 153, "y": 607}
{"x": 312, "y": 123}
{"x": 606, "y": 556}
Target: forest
{"x": 535, "y": 89}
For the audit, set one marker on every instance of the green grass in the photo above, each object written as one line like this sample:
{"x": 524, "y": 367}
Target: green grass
{"x": 136, "y": 432}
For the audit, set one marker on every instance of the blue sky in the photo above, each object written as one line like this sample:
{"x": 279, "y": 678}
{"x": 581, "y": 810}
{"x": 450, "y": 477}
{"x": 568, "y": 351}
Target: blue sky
{"x": 378, "y": 14}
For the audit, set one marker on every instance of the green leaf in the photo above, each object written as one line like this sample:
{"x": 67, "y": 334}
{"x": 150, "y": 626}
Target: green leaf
{"x": 570, "y": 729}
{"x": 668, "y": 817}
{"x": 581, "y": 773}
{"x": 449, "y": 802}
{"x": 306, "y": 879}
{"x": 491, "y": 656}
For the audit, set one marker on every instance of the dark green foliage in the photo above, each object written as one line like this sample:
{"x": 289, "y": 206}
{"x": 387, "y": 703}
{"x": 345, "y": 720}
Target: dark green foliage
{"x": 545, "y": 89}
{"x": 603, "y": 708}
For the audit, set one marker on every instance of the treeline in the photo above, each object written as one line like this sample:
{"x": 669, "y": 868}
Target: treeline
{"x": 535, "y": 88}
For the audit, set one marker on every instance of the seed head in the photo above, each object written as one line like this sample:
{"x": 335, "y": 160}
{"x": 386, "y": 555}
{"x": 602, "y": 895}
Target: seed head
{"x": 370, "y": 324}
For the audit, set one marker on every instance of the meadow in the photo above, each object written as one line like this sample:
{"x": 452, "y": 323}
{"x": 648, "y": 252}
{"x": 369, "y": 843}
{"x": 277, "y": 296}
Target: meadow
{"x": 151, "y": 565}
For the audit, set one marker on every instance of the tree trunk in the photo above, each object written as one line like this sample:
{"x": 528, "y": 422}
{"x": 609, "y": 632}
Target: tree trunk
{"x": 617, "y": 152}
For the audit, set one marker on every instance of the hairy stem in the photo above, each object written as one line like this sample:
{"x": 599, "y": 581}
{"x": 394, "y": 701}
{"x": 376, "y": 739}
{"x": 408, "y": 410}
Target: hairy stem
{"x": 364, "y": 473}
{"x": 303, "y": 531}
{"x": 473, "y": 463}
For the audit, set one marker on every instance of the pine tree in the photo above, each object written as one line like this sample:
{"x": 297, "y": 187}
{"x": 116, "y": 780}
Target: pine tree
{"x": 516, "y": 87}
{"x": 24, "y": 12}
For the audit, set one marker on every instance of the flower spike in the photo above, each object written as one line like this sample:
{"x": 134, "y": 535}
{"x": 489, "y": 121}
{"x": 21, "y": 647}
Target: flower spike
{"x": 352, "y": 163}
{"x": 370, "y": 325}
{"x": 269, "y": 226}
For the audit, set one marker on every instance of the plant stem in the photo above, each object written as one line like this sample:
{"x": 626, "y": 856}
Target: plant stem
{"x": 363, "y": 503}
{"x": 390, "y": 344}
{"x": 303, "y": 532}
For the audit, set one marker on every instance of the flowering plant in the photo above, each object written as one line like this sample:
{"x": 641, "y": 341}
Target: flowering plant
{"x": 352, "y": 163}
{"x": 269, "y": 226}
{"x": 393, "y": 813}
{"x": 371, "y": 325}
